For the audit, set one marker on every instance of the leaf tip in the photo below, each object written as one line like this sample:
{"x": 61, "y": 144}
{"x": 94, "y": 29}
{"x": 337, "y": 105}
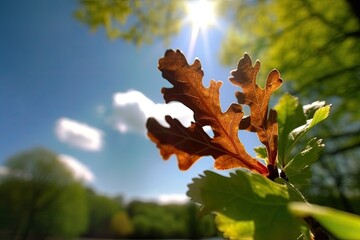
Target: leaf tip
{"x": 274, "y": 80}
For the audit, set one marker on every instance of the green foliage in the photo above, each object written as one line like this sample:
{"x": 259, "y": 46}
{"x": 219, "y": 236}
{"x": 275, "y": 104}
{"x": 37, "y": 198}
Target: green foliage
{"x": 261, "y": 153}
{"x": 298, "y": 169}
{"x": 246, "y": 203}
{"x": 40, "y": 197}
{"x": 138, "y": 21}
{"x": 102, "y": 210}
{"x": 340, "y": 224}
{"x": 295, "y": 121}
{"x": 172, "y": 221}
{"x": 290, "y": 116}
{"x": 121, "y": 224}
{"x": 294, "y": 124}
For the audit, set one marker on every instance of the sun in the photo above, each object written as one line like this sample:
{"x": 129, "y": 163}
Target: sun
{"x": 201, "y": 14}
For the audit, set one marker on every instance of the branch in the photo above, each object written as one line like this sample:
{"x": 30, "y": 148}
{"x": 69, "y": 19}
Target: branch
{"x": 316, "y": 229}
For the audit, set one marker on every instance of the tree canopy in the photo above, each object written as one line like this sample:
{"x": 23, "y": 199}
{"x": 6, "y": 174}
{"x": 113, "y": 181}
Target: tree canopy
{"x": 40, "y": 198}
{"x": 138, "y": 21}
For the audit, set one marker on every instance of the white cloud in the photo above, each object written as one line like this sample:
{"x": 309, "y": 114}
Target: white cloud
{"x": 132, "y": 108}
{"x": 173, "y": 198}
{"x": 170, "y": 198}
{"x": 79, "y": 134}
{"x": 79, "y": 170}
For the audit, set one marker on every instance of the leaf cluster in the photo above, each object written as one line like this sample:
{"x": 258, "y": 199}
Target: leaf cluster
{"x": 246, "y": 202}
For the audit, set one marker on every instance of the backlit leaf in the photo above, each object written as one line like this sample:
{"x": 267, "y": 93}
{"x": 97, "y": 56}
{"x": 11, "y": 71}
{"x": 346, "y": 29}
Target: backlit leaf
{"x": 261, "y": 153}
{"x": 260, "y": 120}
{"x": 290, "y": 116}
{"x": 340, "y": 224}
{"x": 189, "y": 144}
{"x": 320, "y": 114}
{"x": 233, "y": 229}
{"x": 298, "y": 169}
{"x": 247, "y": 205}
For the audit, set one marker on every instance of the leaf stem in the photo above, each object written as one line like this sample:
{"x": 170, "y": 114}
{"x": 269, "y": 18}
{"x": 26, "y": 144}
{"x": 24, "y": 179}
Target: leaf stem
{"x": 273, "y": 172}
{"x": 316, "y": 229}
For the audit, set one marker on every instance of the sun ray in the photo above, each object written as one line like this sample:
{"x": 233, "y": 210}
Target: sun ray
{"x": 201, "y": 15}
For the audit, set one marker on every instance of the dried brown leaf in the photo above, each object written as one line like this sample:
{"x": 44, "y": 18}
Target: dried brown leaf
{"x": 189, "y": 144}
{"x": 260, "y": 120}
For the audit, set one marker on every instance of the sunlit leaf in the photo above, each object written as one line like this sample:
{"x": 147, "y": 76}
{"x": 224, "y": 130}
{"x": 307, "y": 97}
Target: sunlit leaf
{"x": 340, "y": 224}
{"x": 294, "y": 122}
{"x": 247, "y": 204}
{"x": 319, "y": 115}
{"x": 260, "y": 120}
{"x": 290, "y": 116}
{"x": 233, "y": 229}
{"x": 190, "y": 144}
{"x": 298, "y": 169}
{"x": 261, "y": 153}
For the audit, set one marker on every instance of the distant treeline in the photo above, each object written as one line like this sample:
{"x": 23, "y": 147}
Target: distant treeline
{"x": 41, "y": 199}
{"x": 110, "y": 218}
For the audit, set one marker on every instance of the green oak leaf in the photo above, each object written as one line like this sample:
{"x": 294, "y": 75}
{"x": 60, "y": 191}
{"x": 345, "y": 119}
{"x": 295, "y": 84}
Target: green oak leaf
{"x": 298, "y": 169}
{"x": 341, "y": 225}
{"x": 294, "y": 121}
{"x": 320, "y": 115}
{"x": 261, "y": 153}
{"x": 247, "y": 205}
{"x": 290, "y": 115}
{"x": 233, "y": 229}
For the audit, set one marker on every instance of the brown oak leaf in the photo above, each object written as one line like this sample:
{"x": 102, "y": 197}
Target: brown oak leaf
{"x": 260, "y": 120}
{"x": 190, "y": 144}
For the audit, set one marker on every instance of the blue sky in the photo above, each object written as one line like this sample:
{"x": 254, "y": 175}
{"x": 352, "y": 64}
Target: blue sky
{"x": 86, "y": 97}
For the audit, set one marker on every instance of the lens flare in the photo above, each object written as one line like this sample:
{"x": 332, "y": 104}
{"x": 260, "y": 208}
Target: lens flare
{"x": 201, "y": 15}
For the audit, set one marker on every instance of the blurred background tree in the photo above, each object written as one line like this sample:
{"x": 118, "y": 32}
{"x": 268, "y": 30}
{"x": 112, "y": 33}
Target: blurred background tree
{"x": 314, "y": 44}
{"x": 40, "y": 198}
{"x": 153, "y": 220}
{"x": 102, "y": 210}
{"x": 121, "y": 224}
{"x": 137, "y": 21}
